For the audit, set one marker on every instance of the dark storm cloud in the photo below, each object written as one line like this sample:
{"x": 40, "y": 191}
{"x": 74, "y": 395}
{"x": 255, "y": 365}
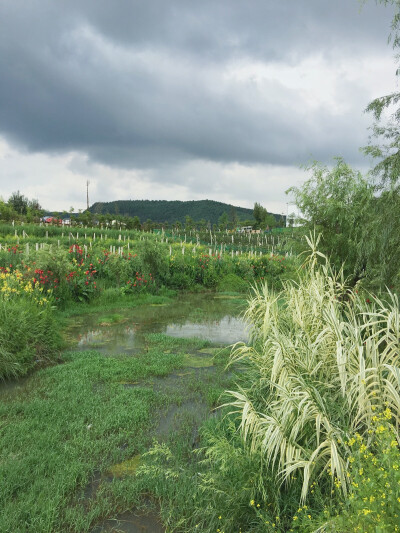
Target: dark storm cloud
{"x": 136, "y": 84}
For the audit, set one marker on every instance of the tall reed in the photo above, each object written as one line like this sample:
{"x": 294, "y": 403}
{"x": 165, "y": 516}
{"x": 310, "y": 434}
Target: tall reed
{"x": 323, "y": 361}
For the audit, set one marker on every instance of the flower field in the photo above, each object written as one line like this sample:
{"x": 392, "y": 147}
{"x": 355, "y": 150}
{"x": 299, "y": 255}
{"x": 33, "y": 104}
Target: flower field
{"x": 77, "y": 267}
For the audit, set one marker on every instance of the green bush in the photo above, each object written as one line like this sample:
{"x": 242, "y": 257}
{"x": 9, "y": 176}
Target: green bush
{"x": 374, "y": 500}
{"x": 232, "y": 283}
{"x": 28, "y": 328}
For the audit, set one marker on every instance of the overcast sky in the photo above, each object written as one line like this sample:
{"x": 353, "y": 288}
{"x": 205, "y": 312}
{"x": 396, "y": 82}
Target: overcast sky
{"x": 184, "y": 99}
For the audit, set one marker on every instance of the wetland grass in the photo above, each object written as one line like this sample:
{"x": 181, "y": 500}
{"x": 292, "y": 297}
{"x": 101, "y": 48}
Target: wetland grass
{"x": 72, "y": 436}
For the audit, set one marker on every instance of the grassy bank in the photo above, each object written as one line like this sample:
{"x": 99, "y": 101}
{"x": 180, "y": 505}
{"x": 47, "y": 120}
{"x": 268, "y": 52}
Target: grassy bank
{"x": 70, "y": 424}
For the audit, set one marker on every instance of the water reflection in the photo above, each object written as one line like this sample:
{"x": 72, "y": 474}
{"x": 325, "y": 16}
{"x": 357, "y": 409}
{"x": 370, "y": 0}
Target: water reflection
{"x": 225, "y": 331}
{"x": 130, "y": 522}
{"x": 201, "y": 315}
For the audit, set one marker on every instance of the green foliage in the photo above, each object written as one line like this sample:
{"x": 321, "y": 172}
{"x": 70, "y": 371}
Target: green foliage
{"x": 380, "y": 252}
{"x": 359, "y": 229}
{"x": 232, "y": 282}
{"x": 315, "y": 336}
{"x": 7, "y": 212}
{"x": 55, "y": 262}
{"x": 387, "y": 134}
{"x": 336, "y": 202}
{"x": 28, "y": 328}
{"x": 373, "y": 503}
{"x": 171, "y": 211}
{"x": 18, "y": 202}
{"x": 263, "y": 218}
{"x": 273, "y": 270}
{"x": 155, "y": 259}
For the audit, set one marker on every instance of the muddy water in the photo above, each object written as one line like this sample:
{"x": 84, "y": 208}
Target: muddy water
{"x": 131, "y": 523}
{"x": 207, "y": 316}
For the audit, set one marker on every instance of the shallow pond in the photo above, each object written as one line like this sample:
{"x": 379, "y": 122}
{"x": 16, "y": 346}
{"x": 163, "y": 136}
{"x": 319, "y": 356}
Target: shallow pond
{"x": 215, "y": 318}
{"x": 206, "y": 316}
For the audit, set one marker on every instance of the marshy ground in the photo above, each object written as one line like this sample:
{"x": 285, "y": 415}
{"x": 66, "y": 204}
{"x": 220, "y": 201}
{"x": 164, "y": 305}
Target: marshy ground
{"x": 73, "y": 435}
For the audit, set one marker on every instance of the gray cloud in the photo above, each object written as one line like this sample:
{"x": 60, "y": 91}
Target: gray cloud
{"x": 150, "y": 84}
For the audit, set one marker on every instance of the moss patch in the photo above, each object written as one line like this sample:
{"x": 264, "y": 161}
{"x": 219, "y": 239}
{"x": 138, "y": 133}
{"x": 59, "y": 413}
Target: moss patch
{"x": 197, "y": 361}
{"x": 108, "y": 320}
{"x": 126, "y": 468}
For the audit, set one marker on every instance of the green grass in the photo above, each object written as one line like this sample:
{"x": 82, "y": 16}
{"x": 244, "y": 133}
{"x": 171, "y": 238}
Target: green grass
{"x": 176, "y": 343}
{"x": 29, "y": 336}
{"x": 74, "y": 422}
{"x": 112, "y": 299}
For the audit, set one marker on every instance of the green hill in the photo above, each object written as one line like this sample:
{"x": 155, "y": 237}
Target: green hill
{"x": 173, "y": 211}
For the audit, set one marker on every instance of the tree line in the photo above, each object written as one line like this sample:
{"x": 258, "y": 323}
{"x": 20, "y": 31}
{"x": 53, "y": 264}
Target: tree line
{"x": 19, "y": 207}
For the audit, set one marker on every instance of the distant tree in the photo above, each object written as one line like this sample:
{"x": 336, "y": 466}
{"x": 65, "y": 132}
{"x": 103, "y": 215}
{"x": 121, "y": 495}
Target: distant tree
{"x": 202, "y": 224}
{"x": 120, "y": 220}
{"x": 101, "y": 219}
{"x": 34, "y": 205}
{"x": 233, "y": 218}
{"x": 260, "y": 214}
{"x": 189, "y": 223}
{"x": 223, "y": 221}
{"x": 136, "y": 223}
{"x": 34, "y": 211}
{"x": 148, "y": 225}
{"x": 109, "y": 219}
{"x": 336, "y": 202}
{"x": 269, "y": 221}
{"x": 6, "y": 211}
{"x": 18, "y": 202}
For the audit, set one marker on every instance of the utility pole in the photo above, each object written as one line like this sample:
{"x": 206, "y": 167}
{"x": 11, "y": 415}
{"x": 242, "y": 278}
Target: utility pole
{"x": 87, "y": 194}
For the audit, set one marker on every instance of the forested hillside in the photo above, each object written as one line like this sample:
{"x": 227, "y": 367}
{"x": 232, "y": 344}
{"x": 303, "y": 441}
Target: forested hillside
{"x": 173, "y": 211}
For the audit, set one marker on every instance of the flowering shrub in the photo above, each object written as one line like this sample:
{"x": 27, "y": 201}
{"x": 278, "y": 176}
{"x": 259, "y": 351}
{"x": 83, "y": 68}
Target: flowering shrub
{"x": 82, "y": 281}
{"x": 182, "y": 273}
{"x": 28, "y": 331}
{"x": 269, "y": 269}
{"x": 10, "y": 257}
{"x": 374, "y": 468}
{"x": 209, "y": 269}
{"x": 118, "y": 269}
{"x": 139, "y": 283}
{"x": 242, "y": 267}
{"x": 13, "y": 285}
{"x": 46, "y": 279}
{"x": 14, "y": 249}
{"x": 76, "y": 253}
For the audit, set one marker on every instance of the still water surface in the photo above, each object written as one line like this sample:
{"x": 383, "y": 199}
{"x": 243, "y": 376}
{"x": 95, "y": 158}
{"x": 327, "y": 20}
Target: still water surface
{"x": 207, "y": 316}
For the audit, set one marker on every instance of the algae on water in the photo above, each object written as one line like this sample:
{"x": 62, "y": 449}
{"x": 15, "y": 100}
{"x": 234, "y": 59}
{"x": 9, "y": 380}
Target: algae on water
{"x": 126, "y": 468}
